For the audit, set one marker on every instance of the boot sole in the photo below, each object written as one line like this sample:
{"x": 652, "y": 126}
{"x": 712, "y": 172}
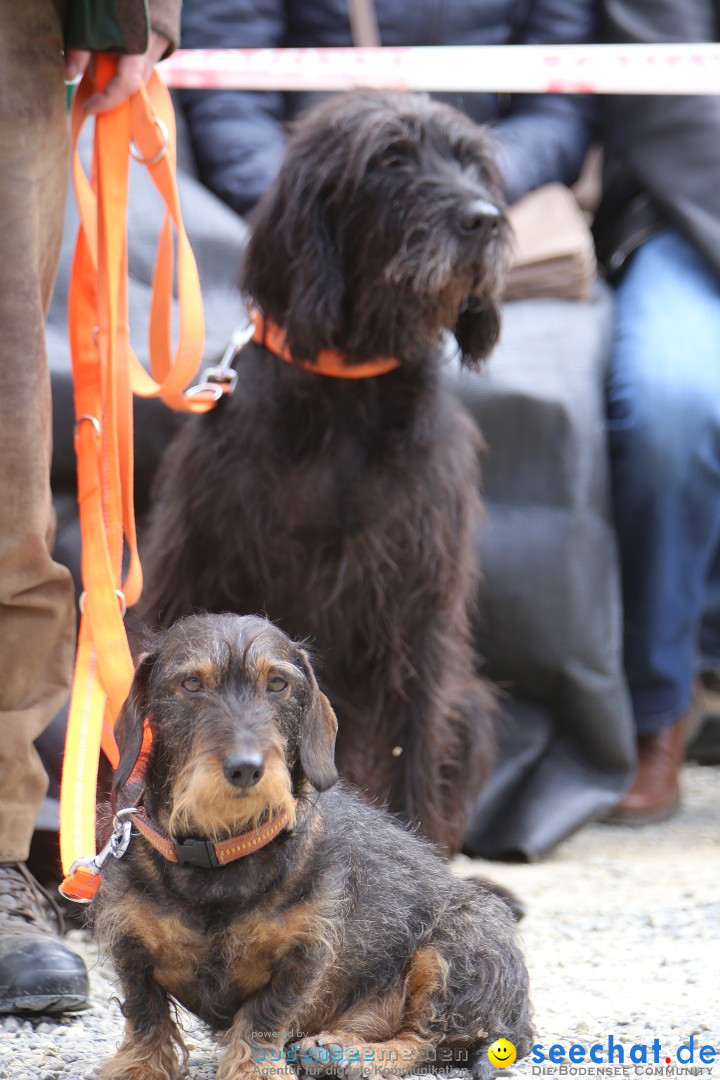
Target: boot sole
{"x": 641, "y": 817}
{"x": 51, "y": 1004}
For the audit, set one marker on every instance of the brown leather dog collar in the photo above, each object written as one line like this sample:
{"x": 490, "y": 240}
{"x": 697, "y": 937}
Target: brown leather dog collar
{"x": 327, "y": 362}
{"x": 207, "y": 853}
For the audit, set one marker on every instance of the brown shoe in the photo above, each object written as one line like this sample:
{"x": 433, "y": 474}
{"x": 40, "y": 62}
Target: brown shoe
{"x": 655, "y": 791}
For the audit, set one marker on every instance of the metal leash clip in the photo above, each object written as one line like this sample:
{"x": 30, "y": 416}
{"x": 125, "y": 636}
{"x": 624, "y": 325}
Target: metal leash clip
{"x": 221, "y": 379}
{"x": 116, "y": 846}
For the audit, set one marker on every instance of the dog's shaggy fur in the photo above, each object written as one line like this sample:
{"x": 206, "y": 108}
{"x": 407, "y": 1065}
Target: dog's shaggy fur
{"x": 345, "y": 936}
{"x": 346, "y": 510}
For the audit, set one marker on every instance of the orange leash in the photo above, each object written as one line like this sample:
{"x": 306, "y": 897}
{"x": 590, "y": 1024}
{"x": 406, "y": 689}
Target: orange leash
{"x": 106, "y": 373}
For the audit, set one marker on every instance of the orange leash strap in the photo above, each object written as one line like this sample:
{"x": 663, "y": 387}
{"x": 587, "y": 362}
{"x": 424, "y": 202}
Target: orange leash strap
{"x": 105, "y": 374}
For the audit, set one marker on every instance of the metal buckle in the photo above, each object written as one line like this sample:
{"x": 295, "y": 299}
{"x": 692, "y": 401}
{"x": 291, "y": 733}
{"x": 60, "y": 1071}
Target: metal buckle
{"x": 196, "y": 853}
{"x": 135, "y": 152}
{"x": 116, "y": 846}
{"x": 221, "y": 379}
{"x": 92, "y": 420}
{"x": 123, "y": 611}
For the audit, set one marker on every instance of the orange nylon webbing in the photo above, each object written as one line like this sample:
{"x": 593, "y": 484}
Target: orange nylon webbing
{"x": 106, "y": 373}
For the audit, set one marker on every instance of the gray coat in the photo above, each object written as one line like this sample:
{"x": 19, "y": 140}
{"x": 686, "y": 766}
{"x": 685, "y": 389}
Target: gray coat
{"x": 663, "y": 152}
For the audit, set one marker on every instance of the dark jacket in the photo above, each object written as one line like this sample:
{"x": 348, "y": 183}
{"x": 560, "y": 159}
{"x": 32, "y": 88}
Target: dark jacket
{"x": 239, "y": 137}
{"x": 662, "y": 152}
{"x": 120, "y": 28}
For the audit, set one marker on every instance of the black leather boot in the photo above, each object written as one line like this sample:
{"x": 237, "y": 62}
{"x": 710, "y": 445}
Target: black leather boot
{"x": 38, "y": 974}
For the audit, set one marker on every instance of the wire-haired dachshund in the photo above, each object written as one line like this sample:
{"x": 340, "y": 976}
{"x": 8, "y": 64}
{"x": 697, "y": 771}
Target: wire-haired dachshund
{"x": 308, "y": 926}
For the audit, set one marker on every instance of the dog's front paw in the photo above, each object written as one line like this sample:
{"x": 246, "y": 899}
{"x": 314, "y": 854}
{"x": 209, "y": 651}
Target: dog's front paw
{"x": 333, "y": 1053}
{"x": 154, "y": 1057}
{"x": 128, "y": 1066}
{"x": 236, "y": 1066}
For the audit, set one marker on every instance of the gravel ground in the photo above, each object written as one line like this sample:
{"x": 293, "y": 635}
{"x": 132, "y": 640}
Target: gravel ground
{"x": 622, "y": 939}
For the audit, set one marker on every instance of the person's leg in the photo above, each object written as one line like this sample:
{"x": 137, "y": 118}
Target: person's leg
{"x": 710, "y": 632}
{"x": 664, "y": 431}
{"x": 37, "y": 625}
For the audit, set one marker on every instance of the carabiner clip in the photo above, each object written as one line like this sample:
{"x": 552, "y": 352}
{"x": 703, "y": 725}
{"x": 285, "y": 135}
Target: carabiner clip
{"x": 221, "y": 379}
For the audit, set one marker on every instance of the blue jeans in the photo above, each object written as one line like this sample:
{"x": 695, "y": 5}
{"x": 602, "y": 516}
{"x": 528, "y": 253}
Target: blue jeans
{"x": 664, "y": 431}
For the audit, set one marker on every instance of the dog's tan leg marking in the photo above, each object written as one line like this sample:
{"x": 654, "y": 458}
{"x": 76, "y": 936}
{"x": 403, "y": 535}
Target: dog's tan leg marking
{"x": 402, "y": 1020}
{"x": 153, "y": 1058}
{"x": 246, "y": 1059}
{"x": 243, "y": 1062}
{"x": 300, "y": 945}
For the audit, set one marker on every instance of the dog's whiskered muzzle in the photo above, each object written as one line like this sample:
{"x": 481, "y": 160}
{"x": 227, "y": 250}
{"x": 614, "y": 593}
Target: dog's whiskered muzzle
{"x": 244, "y": 770}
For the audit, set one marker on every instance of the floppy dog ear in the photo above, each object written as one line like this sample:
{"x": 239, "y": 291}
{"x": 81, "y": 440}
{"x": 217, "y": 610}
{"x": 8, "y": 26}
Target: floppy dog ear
{"x": 314, "y": 313}
{"x": 317, "y": 739}
{"x": 130, "y": 724}
{"x": 477, "y": 330}
{"x": 292, "y": 267}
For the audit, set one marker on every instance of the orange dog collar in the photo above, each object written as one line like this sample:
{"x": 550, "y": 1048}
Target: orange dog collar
{"x": 328, "y": 362}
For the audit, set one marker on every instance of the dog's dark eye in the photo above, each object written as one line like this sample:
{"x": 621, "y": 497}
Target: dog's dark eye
{"x": 192, "y": 684}
{"x": 276, "y": 685}
{"x": 396, "y": 155}
{"x": 391, "y": 161}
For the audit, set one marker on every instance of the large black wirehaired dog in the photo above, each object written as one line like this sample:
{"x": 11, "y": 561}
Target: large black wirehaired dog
{"x": 307, "y": 926}
{"x": 346, "y": 509}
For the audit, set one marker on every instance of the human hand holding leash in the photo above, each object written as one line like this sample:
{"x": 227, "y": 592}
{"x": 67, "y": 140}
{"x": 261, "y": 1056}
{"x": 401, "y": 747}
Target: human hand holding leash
{"x": 132, "y": 69}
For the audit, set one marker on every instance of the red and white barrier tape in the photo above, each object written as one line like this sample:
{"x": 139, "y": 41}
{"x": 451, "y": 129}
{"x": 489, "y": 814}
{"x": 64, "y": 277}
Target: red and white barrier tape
{"x": 559, "y": 69}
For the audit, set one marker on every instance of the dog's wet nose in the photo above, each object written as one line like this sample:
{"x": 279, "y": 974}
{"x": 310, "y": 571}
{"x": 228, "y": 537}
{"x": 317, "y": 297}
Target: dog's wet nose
{"x": 479, "y": 217}
{"x": 244, "y": 770}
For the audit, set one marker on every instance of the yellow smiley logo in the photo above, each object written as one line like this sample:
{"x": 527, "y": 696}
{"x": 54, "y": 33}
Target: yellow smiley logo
{"x": 502, "y": 1053}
